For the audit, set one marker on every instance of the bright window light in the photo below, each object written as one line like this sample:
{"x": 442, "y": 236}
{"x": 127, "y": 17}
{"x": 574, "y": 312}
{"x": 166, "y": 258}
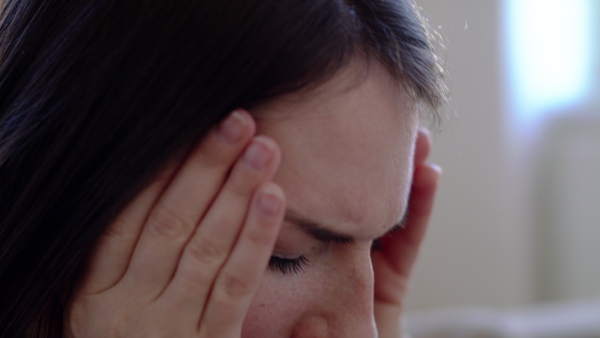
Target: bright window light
{"x": 549, "y": 47}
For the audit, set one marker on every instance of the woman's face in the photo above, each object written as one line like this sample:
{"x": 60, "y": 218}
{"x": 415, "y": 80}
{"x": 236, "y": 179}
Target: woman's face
{"x": 346, "y": 169}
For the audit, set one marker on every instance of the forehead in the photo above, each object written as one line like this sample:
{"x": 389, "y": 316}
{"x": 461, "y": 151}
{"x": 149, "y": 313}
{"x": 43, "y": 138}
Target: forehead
{"x": 346, "y": 149}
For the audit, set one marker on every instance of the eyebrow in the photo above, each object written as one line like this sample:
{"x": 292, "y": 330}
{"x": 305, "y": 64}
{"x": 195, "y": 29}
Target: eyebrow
{"x": 323, "y": 233}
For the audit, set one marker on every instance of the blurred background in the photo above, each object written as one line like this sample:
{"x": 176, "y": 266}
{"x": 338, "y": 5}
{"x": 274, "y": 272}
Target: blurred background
{"x": 513, "y": 249}
{"x": 517, "y": 219}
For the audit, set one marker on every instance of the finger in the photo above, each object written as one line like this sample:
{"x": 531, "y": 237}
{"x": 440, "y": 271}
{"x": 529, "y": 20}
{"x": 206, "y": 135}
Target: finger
{"x": 422, "y": 146}
{"x": 175, "y": 216}
{"x": 393, "y": 263}
{"x": 404, "y": 246}
{"x": 211, "y": 244}
{"x": 113, "y": 251}
{"x": 239, "y": 279}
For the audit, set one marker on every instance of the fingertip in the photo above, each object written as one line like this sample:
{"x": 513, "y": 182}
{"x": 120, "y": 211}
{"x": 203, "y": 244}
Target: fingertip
{"x": 438, "y": 170}
{"x": 425, "y": 133}
{"x": 427, "y": 175}
{"x": 271, "y": 200}
{"x": 422, "y": 146}
{"x": 272, "y": 147}
{"x": 236, "y": 127}
{"x": 247, "y": 119}
{"x": 273, "y": 188}
{"x": 268, "y": 141}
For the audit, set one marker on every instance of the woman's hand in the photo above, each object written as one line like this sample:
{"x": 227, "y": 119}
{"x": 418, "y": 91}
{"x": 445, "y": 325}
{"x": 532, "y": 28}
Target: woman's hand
{"x": 185, "y": 258}
{"x": 392, "y": 264}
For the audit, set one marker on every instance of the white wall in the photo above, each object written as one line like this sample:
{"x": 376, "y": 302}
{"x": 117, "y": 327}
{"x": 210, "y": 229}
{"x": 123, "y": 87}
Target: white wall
{"x": 517, "y": 217}
{"x": 477, "y": 250}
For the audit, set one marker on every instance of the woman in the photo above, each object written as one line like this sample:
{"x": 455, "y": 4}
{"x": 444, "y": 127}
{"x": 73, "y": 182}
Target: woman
{"x": 135, "y": 203}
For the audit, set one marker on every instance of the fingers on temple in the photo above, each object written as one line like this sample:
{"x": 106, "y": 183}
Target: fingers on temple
{"x": 239, "y": 278}
{"x": 185, "y": 200}
{"x": 211, "y": 244}
{"x": 403, "y": 246}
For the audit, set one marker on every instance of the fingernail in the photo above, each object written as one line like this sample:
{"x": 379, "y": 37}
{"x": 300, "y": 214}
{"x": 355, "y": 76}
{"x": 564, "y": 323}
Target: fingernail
{"x": 270, "y": 202}
{"x": 232, "y": 129}
{"x": 437, "y": 168}
{"x": 257, "y": 155}
{"x": 426, "y": 132}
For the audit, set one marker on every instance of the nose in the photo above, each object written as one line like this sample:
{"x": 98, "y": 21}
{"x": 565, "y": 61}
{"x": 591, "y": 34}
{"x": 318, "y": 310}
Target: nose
{"x": 345, "y": 304}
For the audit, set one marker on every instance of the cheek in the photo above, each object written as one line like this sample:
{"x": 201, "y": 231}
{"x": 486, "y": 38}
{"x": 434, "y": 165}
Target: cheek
{"x": 276, "y": 305}
{"x": 333, "y": 297}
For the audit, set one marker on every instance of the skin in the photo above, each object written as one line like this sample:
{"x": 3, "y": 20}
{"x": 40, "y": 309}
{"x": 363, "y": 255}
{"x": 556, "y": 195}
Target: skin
{"x": 187, "y": 257}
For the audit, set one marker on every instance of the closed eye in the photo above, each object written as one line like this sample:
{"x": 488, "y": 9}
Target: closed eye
{"x": 288, "y": 266}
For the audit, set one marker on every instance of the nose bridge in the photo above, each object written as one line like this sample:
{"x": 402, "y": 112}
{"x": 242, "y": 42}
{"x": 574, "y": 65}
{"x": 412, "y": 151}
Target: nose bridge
{"x": 356, "y": 281}
{"x": 343, "y": 304}
{"x": 352, "y": 297}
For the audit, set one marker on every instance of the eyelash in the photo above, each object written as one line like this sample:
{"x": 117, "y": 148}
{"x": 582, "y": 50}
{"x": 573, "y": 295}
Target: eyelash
{"x": 288, "y": 266}
{"x": 376, "y": 245}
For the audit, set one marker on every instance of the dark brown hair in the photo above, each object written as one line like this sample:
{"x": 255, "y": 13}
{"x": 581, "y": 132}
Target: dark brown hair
{"x": 97, "y": 96}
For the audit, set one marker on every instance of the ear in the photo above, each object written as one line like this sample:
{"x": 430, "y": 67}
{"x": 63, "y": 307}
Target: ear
{"x": 422, "y": 146}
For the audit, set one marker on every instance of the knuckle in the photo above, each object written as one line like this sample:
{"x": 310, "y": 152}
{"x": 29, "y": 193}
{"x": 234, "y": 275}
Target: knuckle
{"x": 206, "y": 252}
{"x": 397, "y": 282}
{"x": 212, "y": 156}
{"x": 235, "y": 287}
{"x": 167, "y": 222}
{"x": 193, "y": 278}
{"x": 121, "y": 229}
